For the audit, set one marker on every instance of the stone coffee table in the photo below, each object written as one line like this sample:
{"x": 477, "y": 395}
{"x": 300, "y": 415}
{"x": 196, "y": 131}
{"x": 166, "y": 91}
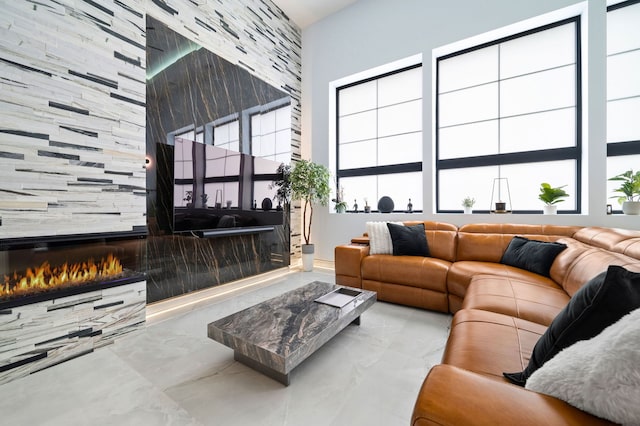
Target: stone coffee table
{"x": 275, "y": 336}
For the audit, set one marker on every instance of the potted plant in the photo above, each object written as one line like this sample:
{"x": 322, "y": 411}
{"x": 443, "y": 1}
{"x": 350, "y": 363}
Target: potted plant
{"x": 341, "y": 205}
{"x": 188, "y": 197}
{"x": 630, "y": 187}
{"x": 551, "y": 196}
{"x": 309, "y": 183}
{"x": 205, "y": 198}
{"x": 367, "y": 207}
{"x": 468, "y": 203}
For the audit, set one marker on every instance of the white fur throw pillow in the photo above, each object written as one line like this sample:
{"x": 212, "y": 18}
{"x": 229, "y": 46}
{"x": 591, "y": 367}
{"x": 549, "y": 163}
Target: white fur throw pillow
{"x": 601, "y": 375}
{"x": 379, "y": 237}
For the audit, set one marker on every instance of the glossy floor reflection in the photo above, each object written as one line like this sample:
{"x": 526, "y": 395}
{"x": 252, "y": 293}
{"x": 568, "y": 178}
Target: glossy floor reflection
{"x": 171, "y": 373}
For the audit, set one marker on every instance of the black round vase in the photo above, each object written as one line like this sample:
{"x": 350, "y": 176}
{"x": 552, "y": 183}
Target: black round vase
{"x": 385, "y": 205}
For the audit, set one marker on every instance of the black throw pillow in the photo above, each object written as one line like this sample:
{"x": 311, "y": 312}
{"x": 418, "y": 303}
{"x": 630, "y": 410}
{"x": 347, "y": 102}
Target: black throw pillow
{"x": 408, "y": 240}
{"x": 599, "y": 303}
{"x": 531, "y": 255}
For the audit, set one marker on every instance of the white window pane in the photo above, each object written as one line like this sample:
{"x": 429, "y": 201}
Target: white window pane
{"x": 546, "y": 130}
{"x": 268, "y": 144}
{"x": 261, "y": 191}
{"x": 200, "y": 137}
{"x": 215, "y": 167}
{"x": 525, "y": 180}
{"x": 179, "y": 193}
{"x": 539, "y": 51}
{"x": 178, "y": 169}
{"x": 401, "y": 187}
{"x": 283, "y": 118}
{"x": 400, "y": 149}
{"x": 268, "y": 122}
{"x": 538, "y": 92}
{"x": 622, "y": 120}
{"x": 453, "y": 73}
{"x": 232, "y": 165}
{"x": 233, "y": 146}
{"x": 615, "y": 166}
{"x": 469, "y": 140}
{"x": 283, "y": 141}
{"x": 401, "y": 87}
{"x": 284, "y": 157}
{"x": 401, "y": 118}
{"x": 220, "y": 135}
{"x": 358, "y": 126}
{"x": 623, "y": 75}
{"x": 465, "y": 106}
{"x": 623, "y": 31}
{"x": 362, "y": 97}
{"x": 361, "y": 188}
{"x": 358, "y": 154}
{"x": 456, "y": 184}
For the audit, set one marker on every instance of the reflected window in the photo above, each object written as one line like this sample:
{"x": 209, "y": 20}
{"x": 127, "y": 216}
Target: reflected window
{"x": 379, "y": 138}
{"x": 511, "y": 109}
{"x": 623, "y": 93}
{"x": 271, "y": 131}
{"x": 224, "y": 133}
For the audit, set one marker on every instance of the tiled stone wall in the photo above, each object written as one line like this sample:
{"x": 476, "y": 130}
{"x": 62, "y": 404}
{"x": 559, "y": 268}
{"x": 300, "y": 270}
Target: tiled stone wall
{"x": 43, "y": 334}
{"x": 72, "y": 128}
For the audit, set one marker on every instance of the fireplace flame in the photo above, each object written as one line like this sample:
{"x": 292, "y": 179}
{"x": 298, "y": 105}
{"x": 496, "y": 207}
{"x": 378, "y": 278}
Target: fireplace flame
{"x": 45, "y": 277}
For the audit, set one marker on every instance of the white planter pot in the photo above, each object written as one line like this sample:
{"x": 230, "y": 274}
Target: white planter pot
{"x": 631, "y": 207}
{"x": 547, "y": 209}
{"x": 307, "y": 257}
{"x": 468, "y": 210}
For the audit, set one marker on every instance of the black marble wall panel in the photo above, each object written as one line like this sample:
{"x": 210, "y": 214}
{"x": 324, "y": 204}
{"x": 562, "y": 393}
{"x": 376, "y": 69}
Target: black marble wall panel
{"x": 179, "y": 264}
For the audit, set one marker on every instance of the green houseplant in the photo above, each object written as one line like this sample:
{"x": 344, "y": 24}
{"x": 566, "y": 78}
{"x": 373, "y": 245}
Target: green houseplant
{"x": 630, "y": 188}
{"x": 550, "y": 196}
{"x": 309, "y": 183}
{"x": 467, "y": 204}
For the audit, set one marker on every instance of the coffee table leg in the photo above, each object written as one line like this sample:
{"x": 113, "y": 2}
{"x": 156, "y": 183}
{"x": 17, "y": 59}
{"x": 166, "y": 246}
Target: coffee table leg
{"x": 356, "y": 321}
{"x": 270, "y": 372}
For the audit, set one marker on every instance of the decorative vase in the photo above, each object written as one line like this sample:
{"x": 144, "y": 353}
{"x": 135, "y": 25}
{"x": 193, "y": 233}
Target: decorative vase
{"x": 385, "y": 204}
{"x": 307, "y": 257}
{"x": 367, "y": 209}
{"x": 550, "y": 209}
{"x": 341, "y": 209}
{"x": 631, "y": 207}
{"x": 468, "y": 209}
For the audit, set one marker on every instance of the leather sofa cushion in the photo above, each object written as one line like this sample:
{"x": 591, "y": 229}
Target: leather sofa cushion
{"x": 461, "y": 273}
{"x": 453, "y": 396}
{"x": 422, "y": 272}
{"x": 538, "y": 301}
{"x": 490, "y": 343}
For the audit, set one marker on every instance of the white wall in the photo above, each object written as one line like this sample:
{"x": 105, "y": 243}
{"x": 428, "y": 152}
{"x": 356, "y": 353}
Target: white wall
{"x": 374, "y": 32}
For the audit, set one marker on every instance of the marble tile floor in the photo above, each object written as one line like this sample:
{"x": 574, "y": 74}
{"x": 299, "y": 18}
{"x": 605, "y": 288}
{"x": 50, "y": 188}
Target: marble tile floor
{"x": 171, "y": 373}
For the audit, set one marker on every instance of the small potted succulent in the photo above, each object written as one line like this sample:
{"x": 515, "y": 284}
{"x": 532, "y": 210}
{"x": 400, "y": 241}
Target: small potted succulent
{"x": 551, "y": 196}
{"x": 188, "y": 197}
{"x": 467, "y": 204}
{"x": 341, "y": 205}
{"x": 630, "y": 188}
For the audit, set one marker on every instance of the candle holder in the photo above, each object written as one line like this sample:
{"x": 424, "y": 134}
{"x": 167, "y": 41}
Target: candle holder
{"x": 500, "y": 196}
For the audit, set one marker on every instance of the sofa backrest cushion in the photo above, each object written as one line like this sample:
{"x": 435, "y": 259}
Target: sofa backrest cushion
{"x": 623, "y": 241}
{"x": 441, "y": 238}
{"x": 580, "y": 262}
{"x": 487, "y": 242}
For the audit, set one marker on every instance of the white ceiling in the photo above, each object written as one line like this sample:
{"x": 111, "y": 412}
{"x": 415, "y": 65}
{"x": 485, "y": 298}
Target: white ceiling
{"x": 306, "y": 12}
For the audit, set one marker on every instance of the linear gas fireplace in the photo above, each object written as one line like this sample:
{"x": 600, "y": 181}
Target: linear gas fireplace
{"x": 62, "y": 297}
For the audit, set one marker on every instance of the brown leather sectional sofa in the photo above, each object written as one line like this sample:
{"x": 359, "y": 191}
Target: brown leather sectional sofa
{"x": 499, "y": 311}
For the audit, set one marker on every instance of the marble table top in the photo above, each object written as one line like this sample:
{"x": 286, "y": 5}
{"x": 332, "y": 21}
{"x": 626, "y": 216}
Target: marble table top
{"x": 277, "y": 335}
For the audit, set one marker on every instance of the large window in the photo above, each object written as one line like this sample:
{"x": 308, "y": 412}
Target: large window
{"x": 379, "y": 139}
{"x": 271, "y": 131}
{"x": 623, "y": 91}
{"x": 508, "y": 111}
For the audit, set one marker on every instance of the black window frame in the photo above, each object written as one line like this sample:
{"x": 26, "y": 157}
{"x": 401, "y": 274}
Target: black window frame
{"x": 545, "y": 155}
{"x": 411, "y": 167}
